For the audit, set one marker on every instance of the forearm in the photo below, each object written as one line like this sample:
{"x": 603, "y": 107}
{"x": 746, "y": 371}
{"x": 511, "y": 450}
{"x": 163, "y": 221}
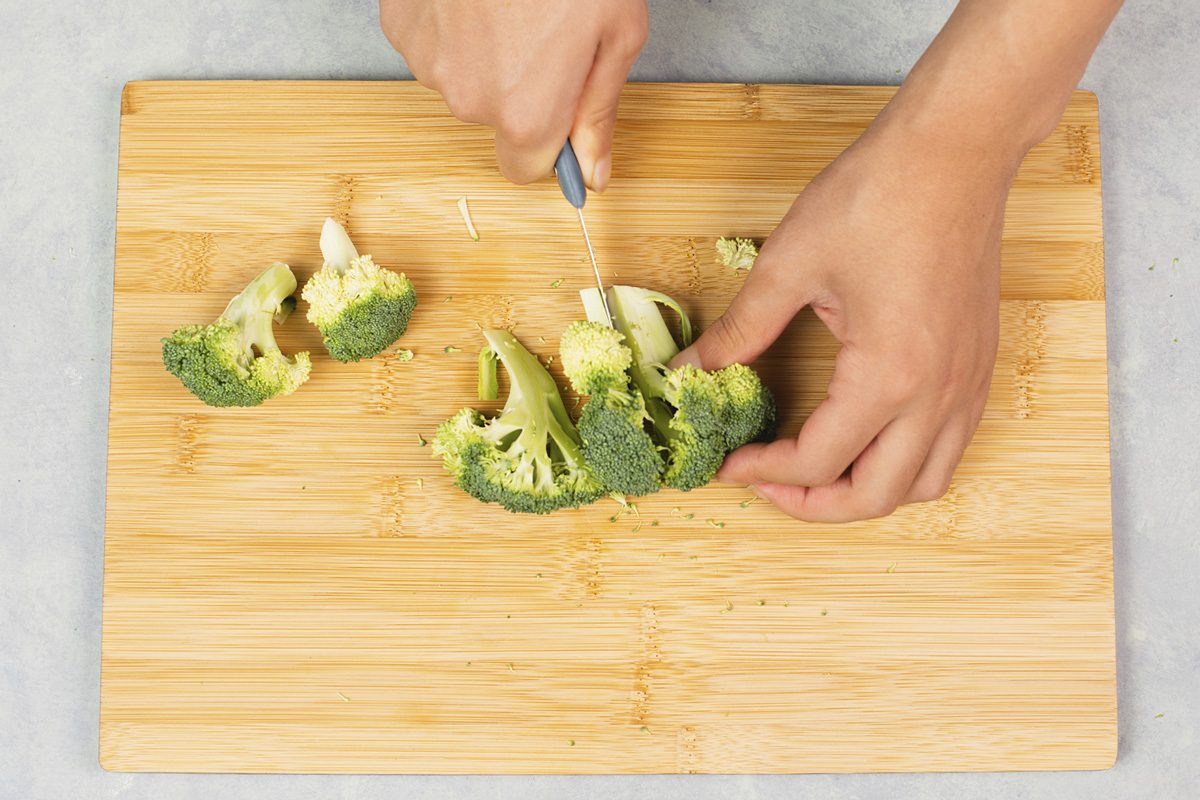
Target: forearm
{"x": 998, "y": 76}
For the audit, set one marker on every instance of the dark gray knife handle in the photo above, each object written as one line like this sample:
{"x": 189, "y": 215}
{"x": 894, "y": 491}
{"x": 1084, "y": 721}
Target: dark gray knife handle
{"x": 570, "y": 177}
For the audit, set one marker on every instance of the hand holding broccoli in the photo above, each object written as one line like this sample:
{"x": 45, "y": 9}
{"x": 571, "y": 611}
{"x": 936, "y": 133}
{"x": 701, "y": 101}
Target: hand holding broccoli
{"x": 898, "y": 253}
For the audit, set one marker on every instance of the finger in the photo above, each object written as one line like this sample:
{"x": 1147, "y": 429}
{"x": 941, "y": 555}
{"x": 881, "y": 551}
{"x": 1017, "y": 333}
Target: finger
{"x": 534, "y": 122}
{"x": 876, "y": 484}
{"x": 596, "y": 116}
{"x": 763, "y": 307}
{"x": 528, "y": 139}
{"x": 937, "y": 472}
{"x": 834, "y": 435}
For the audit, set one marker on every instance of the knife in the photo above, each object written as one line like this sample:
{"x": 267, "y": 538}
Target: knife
{"x": 570, "y": 180}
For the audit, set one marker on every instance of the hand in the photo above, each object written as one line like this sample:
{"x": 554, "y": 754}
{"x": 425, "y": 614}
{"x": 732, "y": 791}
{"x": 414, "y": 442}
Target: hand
{"x": 896, "y": 246}
{"x": 537, "y": 71}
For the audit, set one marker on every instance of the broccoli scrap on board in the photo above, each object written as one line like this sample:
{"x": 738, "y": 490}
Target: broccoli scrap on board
{"x": 359, "y": 307}
{"x": 737, "y": 253}
{"x": 528, "y": 457}
{"x": 235, "y": 361}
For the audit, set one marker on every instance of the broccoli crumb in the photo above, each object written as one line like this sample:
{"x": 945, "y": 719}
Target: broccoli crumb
{"x": 891, "y": 568}
{"x": 421, "y": 441}
{"x": 645, "y": 729}
{"x": 762, "y": 602}
{"x": 404, "y": 355}
{"x": 466, "y": 215}
{"x": 420, "y": 484}
{"x": 737, "y": 253}
{"x": 451, "y": 349}
{"x": 728, "y": 607}
{"x": 570, "y": 742}
{"x": 689, "y": 516}
{"x": 712, "y": 523}
{"x": 557, "y": 282}
{"x": 824, "y": 612}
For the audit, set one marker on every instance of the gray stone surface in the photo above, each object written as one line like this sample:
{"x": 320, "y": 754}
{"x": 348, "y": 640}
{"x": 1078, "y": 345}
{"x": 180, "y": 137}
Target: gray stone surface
{"x": 62, "y": 65}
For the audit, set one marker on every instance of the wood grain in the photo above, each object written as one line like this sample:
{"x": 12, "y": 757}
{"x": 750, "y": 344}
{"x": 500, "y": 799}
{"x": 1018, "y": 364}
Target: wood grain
{"x": 298, "y": 587}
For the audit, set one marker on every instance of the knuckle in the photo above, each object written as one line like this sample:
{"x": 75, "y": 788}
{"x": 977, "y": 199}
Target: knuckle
{"x": 822, "y": 475}
{"x": 879, "y": 505}
{"x": 520, "y": 128}
{"x": 727, "y": 334}
{"x": 464, "y": 105}
{"x": 930, "y": 489}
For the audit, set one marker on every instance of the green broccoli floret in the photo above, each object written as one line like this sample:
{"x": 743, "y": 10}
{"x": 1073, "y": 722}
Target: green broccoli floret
{"x": 737, "y": 253}
{"x": 235, "y": 360}
{"x": 613, "y": 423}
{"x": 359, "y": 307}
{"x": 695, "y": 417}
{"x": 528, "y": 457}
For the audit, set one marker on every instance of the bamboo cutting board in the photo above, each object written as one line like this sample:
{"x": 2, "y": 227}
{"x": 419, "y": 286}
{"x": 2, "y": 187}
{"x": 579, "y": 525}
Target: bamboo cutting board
{"x": 299, "y": 587}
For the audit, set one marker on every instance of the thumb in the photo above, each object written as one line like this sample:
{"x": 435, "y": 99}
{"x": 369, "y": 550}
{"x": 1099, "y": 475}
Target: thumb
{"x": 753, "y": 321}
{"x": 596, "y": 115}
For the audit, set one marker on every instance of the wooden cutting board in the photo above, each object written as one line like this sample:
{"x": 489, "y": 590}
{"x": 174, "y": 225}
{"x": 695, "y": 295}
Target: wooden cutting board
{"x": 299, "y": 587}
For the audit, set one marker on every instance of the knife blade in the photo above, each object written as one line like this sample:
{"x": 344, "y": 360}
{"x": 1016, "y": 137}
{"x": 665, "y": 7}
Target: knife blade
{"x": 570, "y": 181}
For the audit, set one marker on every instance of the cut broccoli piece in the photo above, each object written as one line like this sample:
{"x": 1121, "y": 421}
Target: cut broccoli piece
{"x": 695, "y": 417}
{"x": 359, "y": 307}
{"x": 235, "y": 360}
{"x": 737, "y": 253}
{"x": 527, "y": 458}
{"x": 613, "y": 423}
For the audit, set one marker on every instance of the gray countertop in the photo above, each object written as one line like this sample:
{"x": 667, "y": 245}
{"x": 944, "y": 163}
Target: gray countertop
{"x": 62, "y": 66}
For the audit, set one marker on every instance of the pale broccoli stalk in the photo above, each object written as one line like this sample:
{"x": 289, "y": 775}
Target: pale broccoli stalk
{"x": 527, "y": 458}
{"x": 737, "y": 253}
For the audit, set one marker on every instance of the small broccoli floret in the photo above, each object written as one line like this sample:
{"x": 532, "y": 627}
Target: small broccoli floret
{"x": 359, "y": 307}
{"x": 235, "y": 360}
{"x": 594, "y": 357}
{"x": 695, "y": 417}
{"x": 737, "y": 253}
{"x": 527, "y": 458}
{"x": 613, "y": 423}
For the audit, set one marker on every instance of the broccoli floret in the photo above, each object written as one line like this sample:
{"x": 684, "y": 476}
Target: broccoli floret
{"x": 359, "y": 307}
{"x": 235, "y": 360}
{"x": 695, "y": 417}
{"x": 527, "y": 458}
{"x": 613, "y": 423}
{"x": 737, "y": 253}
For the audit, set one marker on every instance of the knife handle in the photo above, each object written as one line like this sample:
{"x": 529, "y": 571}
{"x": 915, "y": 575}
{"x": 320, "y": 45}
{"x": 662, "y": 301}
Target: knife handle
{"x": 570, "y": 177}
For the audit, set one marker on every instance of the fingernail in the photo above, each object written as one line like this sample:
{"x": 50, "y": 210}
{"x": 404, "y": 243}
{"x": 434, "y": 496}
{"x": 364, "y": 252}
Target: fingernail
{"x": 601, "y": 172}
{"x": 758, "y": 492}
{"x": 688, "y": 356}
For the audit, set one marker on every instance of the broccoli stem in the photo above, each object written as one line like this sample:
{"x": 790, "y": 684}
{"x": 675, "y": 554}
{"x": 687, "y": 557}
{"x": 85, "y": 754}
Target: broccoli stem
{"x": 254, "y": 309}
{"x": 636, "y": 314}
{"x": 534, "y": 405}
{"x": 336, "y": 247}
{"x": 489, "y": 389}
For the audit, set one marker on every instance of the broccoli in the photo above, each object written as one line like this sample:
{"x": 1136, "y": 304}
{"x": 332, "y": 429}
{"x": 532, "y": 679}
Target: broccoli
{"x": 528, "y": 457}
{"x": 695, "y": 417}
{"x": 359, "y": 307}
{"x": 235, "y": 360}
{"x": 737, "y": 253}
{"x": 613, "y": 423}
